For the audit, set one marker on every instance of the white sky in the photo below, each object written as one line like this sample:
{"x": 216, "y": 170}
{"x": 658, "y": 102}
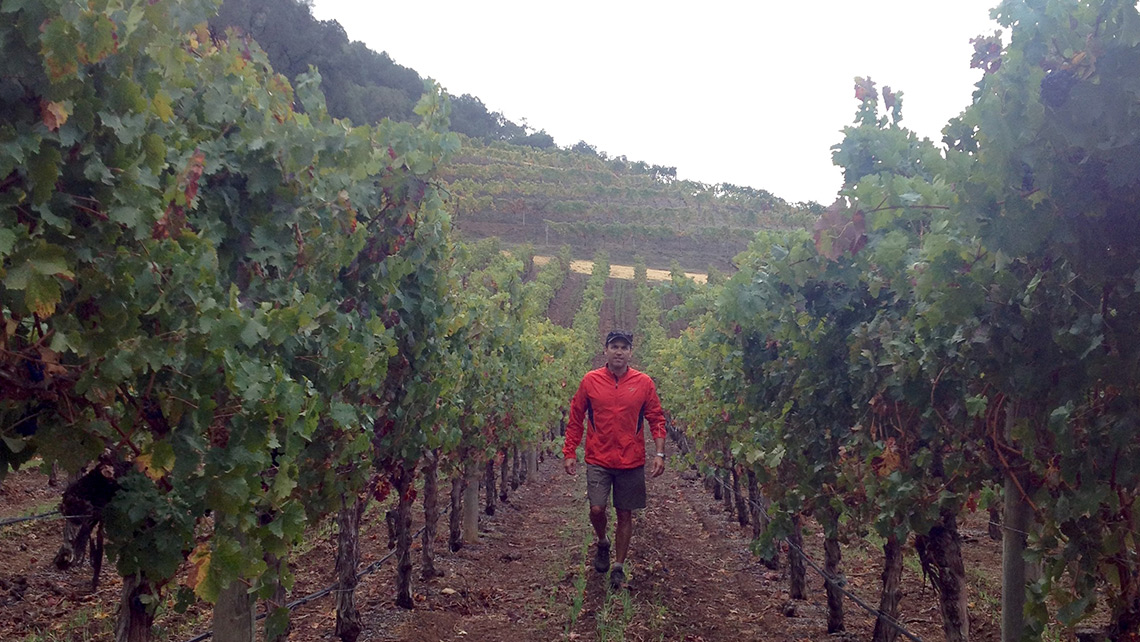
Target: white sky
{"x": 752, "y": 93}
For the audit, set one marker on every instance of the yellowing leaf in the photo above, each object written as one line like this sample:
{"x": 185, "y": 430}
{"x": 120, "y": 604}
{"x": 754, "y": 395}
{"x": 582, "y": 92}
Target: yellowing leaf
{"x": 889, "y": 461}
{"x": 54, "y": 114}
{"x": 199, "y": 567}
{"x": 161, "y": 105}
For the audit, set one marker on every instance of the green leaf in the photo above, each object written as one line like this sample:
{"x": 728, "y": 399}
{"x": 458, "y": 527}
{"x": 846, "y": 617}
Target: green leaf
{"x": 7, "y": 242}
{"x": 43, "y": 171}
{"x": 277, "y": 623}
{"x": 253, "y": 332}
{"x": 42, "y": 294}
{"x": 125, "y": 215}
{"x": 15, "y": 444}
{"x": 162, "y": 107}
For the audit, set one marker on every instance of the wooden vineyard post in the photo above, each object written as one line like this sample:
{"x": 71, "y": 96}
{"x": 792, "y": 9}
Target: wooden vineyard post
{"x": 233, "y": 613}
{"x": 1015, "y": 523}
{"x": 532, "y": 461}
{"x": 471, "y": 504}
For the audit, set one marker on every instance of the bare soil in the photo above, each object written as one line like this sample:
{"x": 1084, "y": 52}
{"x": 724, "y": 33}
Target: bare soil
{"x": 529, "y": 577}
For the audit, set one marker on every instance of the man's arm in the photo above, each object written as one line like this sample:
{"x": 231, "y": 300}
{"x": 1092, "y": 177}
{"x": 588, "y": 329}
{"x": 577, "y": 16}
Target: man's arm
{"x": 574, "y": 427}
{"x": 656, "y": 417}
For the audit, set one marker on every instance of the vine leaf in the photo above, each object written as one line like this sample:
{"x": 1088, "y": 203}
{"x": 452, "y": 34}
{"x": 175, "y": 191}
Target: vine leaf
{"x": 54, "y": 114}
{"x": 836, "y": 232}
{"x": 199, "y": 569}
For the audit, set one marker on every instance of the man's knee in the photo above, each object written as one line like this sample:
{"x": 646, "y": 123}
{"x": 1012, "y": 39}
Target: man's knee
{"x": 624, "y": 516}
{"x": 597, "y": 511}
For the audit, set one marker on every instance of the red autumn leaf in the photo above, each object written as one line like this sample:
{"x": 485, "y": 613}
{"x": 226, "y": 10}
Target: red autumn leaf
{"x": 54, "y": 114}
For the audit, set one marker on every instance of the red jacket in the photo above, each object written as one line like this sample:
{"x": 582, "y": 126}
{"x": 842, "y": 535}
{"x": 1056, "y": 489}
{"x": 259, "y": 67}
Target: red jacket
{"x": 615, "y": 408}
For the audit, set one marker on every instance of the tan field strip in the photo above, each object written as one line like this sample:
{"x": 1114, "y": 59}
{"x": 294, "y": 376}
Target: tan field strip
{"x": 622, "y": 271}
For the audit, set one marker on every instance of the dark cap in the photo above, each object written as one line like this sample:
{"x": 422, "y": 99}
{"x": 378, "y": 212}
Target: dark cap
{"x": 619, "y": 334}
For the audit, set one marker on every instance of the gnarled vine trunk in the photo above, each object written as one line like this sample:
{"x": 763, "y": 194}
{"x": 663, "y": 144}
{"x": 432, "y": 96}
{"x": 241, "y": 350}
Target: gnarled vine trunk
{"x": 994, "y": 527}
{"x": 741, "y": 504}
{"x": 891, "y": 594}
{"x": 515, "y": 479}
{"x": 431, "y": 516}
{"x": 277, "y": 624}
{"x": 797, "y": 570}
{"x": 135, "y": 622}
{"x": 940, "y": 552}
{"x": 489, "y": 487}
{"x": 1125, "y": 625}
{"x": 757, "y": 509}
{"x": 729, "y": 504}
{"x": 832, "y": 559}
{"x": 402, "y": 483}
{"x": 455, "y": 517}
{"x": 504, "y": 469}
{"x": 348, "y": 625}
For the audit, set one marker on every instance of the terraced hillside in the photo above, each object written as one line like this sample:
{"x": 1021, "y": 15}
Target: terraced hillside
{"x": 549, "y": 198}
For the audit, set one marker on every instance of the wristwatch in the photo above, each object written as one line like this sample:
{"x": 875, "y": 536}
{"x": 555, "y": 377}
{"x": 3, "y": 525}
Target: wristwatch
{"x": 661, "y": 455}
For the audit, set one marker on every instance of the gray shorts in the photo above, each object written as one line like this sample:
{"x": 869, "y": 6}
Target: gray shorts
{"x": 628, "y": 486}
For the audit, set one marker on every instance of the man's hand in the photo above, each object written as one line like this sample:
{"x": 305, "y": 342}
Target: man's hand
{"x": 569, "y": 465}
{"x": 658, "y": 466}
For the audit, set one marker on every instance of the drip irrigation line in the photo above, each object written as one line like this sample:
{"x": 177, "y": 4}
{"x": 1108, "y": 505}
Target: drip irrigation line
{"x": 836, "y": 582}
{"x": 1007, "y": 528}
{"x": 32, "y": 518}
{"x": 368, "y": 570}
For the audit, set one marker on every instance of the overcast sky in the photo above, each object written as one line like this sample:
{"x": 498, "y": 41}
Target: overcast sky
{"x": 752, "y": 93}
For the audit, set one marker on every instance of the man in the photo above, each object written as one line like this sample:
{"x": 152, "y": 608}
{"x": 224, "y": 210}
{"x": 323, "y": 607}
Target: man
{"x": 616, "y": 399}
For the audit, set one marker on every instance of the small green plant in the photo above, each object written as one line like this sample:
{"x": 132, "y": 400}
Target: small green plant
{"x": 579, "y": 599}
{"x": 615, "y": 616}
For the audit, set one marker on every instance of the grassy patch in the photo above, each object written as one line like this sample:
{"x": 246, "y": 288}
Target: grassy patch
{"x": 614, "y": 617}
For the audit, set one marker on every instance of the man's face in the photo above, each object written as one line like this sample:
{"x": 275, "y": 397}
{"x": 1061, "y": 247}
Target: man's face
{"x": 617, "y": 353}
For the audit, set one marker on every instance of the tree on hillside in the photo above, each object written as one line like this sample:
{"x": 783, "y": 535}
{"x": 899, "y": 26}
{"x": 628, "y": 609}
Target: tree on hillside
{"x": 359, "y": 84}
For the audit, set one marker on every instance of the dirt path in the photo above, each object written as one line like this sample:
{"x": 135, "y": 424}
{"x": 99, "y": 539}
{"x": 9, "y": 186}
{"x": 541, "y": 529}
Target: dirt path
{"x": 529, "y": 577}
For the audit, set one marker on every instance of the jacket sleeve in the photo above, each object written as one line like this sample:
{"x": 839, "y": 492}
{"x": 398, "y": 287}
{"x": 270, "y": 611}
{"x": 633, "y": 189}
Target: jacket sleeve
{"x": 654, "y": 414}
{"x": 574, "y": 423}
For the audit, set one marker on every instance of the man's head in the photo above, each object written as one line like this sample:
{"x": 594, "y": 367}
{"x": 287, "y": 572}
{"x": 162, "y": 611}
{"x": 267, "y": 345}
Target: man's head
{"x": 619, "y": 347}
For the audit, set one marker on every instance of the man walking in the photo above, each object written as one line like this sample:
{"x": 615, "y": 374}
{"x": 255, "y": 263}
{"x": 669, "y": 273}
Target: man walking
{"x": 616, "y": 399}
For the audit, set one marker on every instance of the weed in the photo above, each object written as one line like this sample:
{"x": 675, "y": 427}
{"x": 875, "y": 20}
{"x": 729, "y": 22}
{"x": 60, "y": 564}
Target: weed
{"x": 579, "y": 594}
{"x": 615, "y": 616}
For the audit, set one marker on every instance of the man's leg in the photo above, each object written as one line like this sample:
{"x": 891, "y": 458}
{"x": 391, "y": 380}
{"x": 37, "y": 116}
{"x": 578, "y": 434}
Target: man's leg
{"x": 598, "y": 519}
{"x": 623, "y": 532}
{"x": 599, "y": 481}
{"x": 629, "y": 495}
